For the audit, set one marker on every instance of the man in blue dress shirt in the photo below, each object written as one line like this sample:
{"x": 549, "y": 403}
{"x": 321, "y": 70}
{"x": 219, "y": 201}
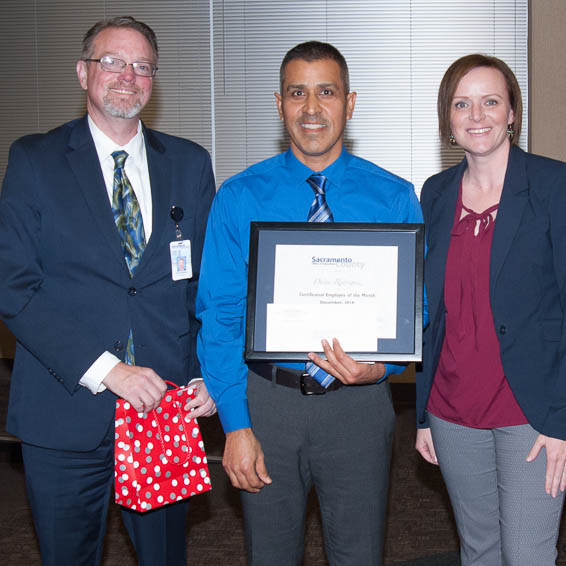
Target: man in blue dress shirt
{"x": 280, "y": 442}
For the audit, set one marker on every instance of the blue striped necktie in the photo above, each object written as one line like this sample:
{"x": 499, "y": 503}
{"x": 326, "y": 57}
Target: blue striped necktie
{"x": 319, "y": 212}
{"x": 129, "y": 221}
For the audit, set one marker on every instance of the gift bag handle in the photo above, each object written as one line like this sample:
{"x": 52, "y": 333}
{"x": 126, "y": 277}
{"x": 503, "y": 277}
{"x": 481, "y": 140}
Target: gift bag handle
{"x": 181, "y": 416}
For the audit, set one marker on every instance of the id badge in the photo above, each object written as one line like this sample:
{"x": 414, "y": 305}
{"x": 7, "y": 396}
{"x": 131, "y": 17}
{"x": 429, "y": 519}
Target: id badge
{"x": 181, "y": 266}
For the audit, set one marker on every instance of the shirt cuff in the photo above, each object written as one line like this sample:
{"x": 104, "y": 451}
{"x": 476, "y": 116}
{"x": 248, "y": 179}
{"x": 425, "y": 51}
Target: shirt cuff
{"x": 391, "y": 369}
{"x": 234, "y": 415}
{"x": 95, "y": 374}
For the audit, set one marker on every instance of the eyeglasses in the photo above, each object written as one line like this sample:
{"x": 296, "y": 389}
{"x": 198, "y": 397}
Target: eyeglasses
{"x": 115, "y": 65}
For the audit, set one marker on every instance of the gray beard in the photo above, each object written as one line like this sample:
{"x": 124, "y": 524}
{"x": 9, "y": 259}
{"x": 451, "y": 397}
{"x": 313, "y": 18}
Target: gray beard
{"x": 118, "y": 112}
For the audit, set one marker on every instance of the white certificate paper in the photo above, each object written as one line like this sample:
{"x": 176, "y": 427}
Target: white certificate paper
{"x": 344, "y": 292}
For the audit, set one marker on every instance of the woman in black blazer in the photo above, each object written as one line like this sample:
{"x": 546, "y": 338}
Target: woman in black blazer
{"x": 491, "y": 397}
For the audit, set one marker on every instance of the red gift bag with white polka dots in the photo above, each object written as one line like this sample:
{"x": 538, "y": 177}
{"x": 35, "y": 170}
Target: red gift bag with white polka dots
{"x": 159, "y": 456}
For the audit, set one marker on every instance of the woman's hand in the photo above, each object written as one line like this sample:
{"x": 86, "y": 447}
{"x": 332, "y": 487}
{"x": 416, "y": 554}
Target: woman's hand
{"x": 555, "y": 461}
{"x": 425, "y": 446}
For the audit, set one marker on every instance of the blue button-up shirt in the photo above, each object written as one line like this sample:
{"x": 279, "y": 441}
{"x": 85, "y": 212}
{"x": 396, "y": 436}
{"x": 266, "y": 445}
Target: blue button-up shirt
{"x": 274, "y": 190}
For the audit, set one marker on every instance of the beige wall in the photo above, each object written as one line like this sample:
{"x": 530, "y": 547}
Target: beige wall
{"x": 547, "y": 69}
{"x": 547, "y": 111}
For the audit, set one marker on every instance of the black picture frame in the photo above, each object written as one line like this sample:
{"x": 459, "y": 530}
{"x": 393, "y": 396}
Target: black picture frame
{"x": 409, "y": 238}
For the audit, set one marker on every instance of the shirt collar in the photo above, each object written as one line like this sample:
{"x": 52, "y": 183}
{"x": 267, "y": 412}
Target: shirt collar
{"x": 105, "y": 146}
{"x": 334, "y": 173}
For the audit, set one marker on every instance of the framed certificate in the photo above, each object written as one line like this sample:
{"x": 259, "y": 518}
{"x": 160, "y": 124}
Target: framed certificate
{"x": 360, "y": 283}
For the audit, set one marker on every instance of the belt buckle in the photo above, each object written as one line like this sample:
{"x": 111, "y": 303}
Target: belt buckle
{"x": 311, "y": 387}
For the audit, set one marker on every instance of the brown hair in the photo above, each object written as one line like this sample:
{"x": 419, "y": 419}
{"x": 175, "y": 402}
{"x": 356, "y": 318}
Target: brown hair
{"x": 452, "y": 78}
{"x": 315, "y": 51}
{"x": 119, "y": 22}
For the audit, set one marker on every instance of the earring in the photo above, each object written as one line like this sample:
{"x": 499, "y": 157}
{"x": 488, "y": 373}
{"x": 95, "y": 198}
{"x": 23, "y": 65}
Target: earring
{"x": 510, "y": 132}
{"x": 452, "y": 139}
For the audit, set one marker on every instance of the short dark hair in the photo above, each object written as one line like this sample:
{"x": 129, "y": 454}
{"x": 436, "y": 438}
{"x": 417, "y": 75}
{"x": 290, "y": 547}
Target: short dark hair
{"x": 127, "y": 22}
{"x": 315, "y": 51}
{"x": 454, "y": 75}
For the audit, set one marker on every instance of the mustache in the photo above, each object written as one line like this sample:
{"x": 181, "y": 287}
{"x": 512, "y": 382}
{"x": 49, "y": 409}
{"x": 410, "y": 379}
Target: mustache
{"x": 124, "y": 85}
{"x": 309, "y": 119}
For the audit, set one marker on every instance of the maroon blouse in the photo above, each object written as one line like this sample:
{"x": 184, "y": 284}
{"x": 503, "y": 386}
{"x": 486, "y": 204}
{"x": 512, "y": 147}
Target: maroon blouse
{"x": 469, "y": 387}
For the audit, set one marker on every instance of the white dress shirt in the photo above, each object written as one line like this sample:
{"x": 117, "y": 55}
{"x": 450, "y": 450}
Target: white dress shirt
{"x": 138, "y": 173}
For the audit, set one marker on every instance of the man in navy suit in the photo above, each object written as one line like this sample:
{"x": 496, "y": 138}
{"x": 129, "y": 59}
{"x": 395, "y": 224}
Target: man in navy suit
{"x": 80, "y": 309}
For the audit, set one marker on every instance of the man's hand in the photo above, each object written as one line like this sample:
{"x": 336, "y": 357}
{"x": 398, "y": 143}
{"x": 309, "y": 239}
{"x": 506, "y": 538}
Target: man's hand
{"x": 346, "y": 369}
{"x": 202, "y": 405}
{"x": 243, "y": 461}
{"x": 425, "y": 446}
{"x": 140, "y": 386}
{"x": 555, "y": 461}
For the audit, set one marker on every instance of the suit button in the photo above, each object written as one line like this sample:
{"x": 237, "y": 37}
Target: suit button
{"x": 132, "y": 291}
{"x": 118, "y": 346}
{"x": 502, "y": 329}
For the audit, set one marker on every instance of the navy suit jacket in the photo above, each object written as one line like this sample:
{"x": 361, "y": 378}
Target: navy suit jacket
{"x": 527, "y": 284}
{"x": 65, "y": 290}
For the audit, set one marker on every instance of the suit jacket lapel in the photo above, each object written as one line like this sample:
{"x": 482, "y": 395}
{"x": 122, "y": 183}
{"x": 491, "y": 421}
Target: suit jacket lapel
{"x": 510, "y": 212}
{"x": 439, "y": 228}
{"x": 83, "y": 160}
{"x": 160, "y": 179}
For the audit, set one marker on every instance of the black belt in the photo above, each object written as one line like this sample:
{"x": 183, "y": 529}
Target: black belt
{"x": 293, "y": 378}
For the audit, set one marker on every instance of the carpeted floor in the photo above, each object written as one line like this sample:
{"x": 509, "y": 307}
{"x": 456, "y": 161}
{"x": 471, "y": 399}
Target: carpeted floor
{"x": 420, "y": 530}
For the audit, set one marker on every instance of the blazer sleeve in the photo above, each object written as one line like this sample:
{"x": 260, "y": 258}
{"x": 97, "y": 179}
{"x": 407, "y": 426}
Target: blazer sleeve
{"x": 64, "y": 345}
{"x": 554, "y": 424}
{"x": 205, "y": 192}
{"x": 424, "y": 380}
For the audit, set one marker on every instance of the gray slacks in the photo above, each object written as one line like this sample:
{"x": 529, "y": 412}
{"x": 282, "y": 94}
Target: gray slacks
{"x": 339, "y": 442}
{"x": 502, "y": 511}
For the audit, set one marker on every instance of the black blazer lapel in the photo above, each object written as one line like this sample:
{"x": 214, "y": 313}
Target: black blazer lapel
{"x": 509, "y": 215}
{"x": 439, "y": 227}
{"x": 83, "y": 160}
{"x": 160, "y": 177}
